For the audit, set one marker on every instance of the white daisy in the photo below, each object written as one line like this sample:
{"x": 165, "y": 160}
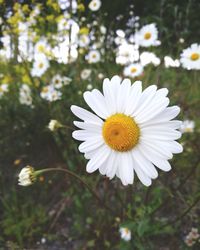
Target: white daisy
{"x": 125, "y": 233}
{"x": 94, "y": 5}
{"x": 26, "y": 176}
{"x": 25, "y": 95}
{"x": 149, "y": 57}
{"x": 147, "y": 36}
{"x": 40, "y": 65}
{"x": 187, "y": 126}
{"x": 93, "y": 56}
{"x": 84, "y": 41}
{"x": 3, "y": 89}
{"x": 190, "y": 57}
{"x": 170, "y": 62}
{"x": 127, "y": 53}
{"x": 133, "y": 70}
{"x": 57, "y": 81}
{"x": 131, "y": 132}
{"x": 50, "y": 94}
{"x": 85, "y": 74}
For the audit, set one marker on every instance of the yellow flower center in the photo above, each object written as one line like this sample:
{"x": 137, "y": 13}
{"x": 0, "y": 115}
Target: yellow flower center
{"x": 194, "y": 56}
{"x": 147, "y": 35}
{"x": 120, "y": 132}
{"x": 133, "y": 70}
{"x": 40, "y": 65}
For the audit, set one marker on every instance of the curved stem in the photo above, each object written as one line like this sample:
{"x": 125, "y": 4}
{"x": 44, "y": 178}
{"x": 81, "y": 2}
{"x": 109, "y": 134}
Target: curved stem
{"x": 80, "y": 180}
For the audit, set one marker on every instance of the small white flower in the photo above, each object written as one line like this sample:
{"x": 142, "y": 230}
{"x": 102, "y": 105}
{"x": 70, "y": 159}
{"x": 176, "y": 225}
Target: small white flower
{"x": 94, "y": 5}
{"x": 40, "y": 65}
{"x": 100, "y": 75}
{"x": 149, "y": 57}
{"x": 127, "y": 53}
{"x": 190, "y": 57}
{"x": 3, "y": 89}
{"x": 54, "y": 124}
{"x": 84, "y": 41}
{"x": 66, "y": 80}
{"x": 187, "y": 126}
{"x": 26, "y": 176}
{"x": 93, "y": 56}
{"x": 133, "y": 70}
{"x": 89, "y": 86}
{"x": 25, "y": 95}
{"x": 85, "y": 73}
{"x": 147, "y": 36}
{"x": 50, "y": 94}
{"x": 125, "y": 233}
{"x": 57, "y": 81}
{"x": 170, "y": 62}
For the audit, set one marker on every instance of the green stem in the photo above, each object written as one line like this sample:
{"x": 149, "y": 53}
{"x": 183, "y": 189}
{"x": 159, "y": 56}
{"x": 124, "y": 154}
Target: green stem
{"x": 80, "y": 180}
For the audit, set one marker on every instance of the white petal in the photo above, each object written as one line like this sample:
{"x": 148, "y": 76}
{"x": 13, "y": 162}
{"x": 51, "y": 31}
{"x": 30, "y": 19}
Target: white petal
{"x": 91, "y": 144}
{"x": 156, "y": 146}
{"x": 83, "y": 135}
{"x": 126, "y": 168}
{"x": 134, "y": 97}
{"x": 108, "y": 165}
{"x": 99, "y": 158}
{"x": 155, "y": 159}
{"x": 123, "y": 95}
{"x": 85, "y": 115}
{"x": 166, "y": 115}
{"x": 145, "y": 99}
{"x": 141, "y": 175}
{"x": 175, "y": 124}
{"x": 89, "y": 126}
{"x": 96, "y": 102}
{"x": 159, "y": 133}
{"x": 146, "y": 166}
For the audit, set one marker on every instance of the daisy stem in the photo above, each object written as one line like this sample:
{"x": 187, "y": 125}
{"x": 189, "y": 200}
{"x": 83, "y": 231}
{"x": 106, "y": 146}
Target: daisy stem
{"x": 80, "y": 180}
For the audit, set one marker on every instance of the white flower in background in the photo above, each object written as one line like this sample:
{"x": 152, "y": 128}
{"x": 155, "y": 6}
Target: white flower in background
{"x": 89, "y": 86}
{"x": 147, "y": 36}
{"x": 50, "y": 94}
{"x": 84, "y": 41}
{"x": 181, "y": 40}
{"x": 25, "y": 95}
{"x": 133, "y": 70}
{"x": 131, "y": 131}
{"x": 100, "y": 75}
{"x": 187, "y": 126}
{"x": 57, "y": 81}
{"x": 85, "y": 74}
{"x": 149, "y": 57}
{"x": 66, "y": 80}
{"x": 190, "y": 57}
{"x": 3, "y": 89}
{"x": 127, "y": 53}
{"x": 40, "y": 65}
{"x": 125, "y": 233}
{"x": 6, "y": 51}
{"x": 26, "y": 176}
{"x": 170, "y": 62}
{"x": 54, "y": 125}
{"x": 94, "y": 5}
{"x": 192, "y": 237}
{"x": 103, "y": 29}
{"x": 64, "y": 4}
{"x": 42, "y": 47}
{"x": 93, "y": 56}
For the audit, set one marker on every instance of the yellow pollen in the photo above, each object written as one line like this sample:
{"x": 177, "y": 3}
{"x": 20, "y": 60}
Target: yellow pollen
{"x": 147, "y": 35}
{"x": 194, "y": 56}
{"x": 40, "y": 65}
{"x": 133, "y": 70}
{"x": 120, "y": 132}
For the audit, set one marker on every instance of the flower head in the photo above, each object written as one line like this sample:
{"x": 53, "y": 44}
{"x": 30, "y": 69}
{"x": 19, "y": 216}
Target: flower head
{"x": 147, "y": 36}
{"x": 94, "y": 5}
{"x": 190, "y": 57}
{"x": 130, "y": 132}
{"x": 133, "y": 70}
{"x": 125, "y": 233}
{"x": 187, "y": 126}
{"x": 54, "y": 124}
{"x": 27, "y": 176}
